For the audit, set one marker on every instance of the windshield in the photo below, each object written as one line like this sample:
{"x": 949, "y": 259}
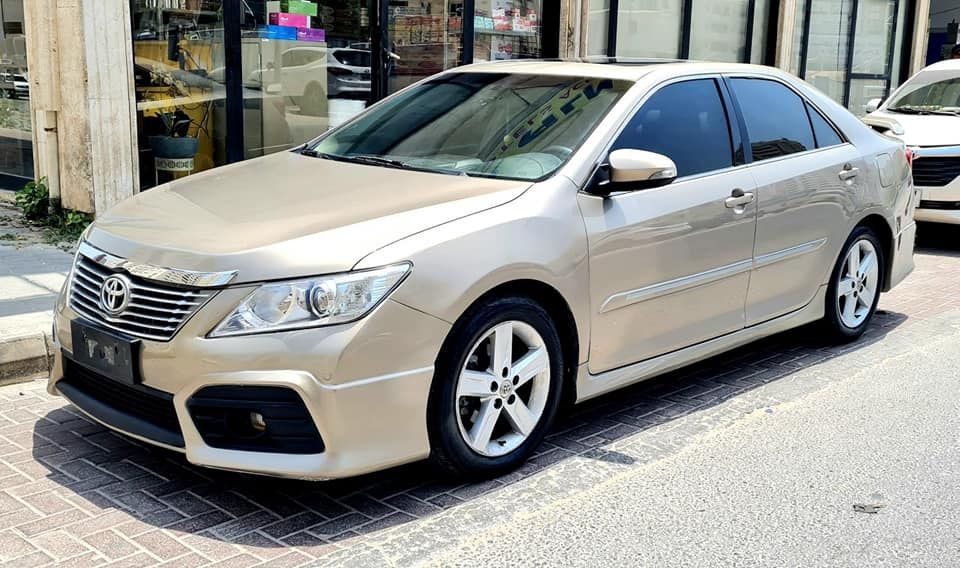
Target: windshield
{"x": 486, "y": 124}
{"x": 929, "y": 94}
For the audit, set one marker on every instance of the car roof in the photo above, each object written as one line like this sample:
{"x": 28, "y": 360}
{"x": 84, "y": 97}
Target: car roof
{"x": 612, "y": 68}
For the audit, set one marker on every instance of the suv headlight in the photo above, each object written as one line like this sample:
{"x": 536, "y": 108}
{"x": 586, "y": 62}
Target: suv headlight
{"x": 312, "y": 302}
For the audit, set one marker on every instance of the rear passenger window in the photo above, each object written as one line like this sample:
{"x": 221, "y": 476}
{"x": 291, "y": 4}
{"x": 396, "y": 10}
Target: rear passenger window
{"x": 775, "y": 118}
{"x": 824, "y": 133}
{"x": 685, "y": 122}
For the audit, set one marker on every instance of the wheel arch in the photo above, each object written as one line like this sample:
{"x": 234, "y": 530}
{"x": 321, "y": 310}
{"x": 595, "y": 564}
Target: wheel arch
{"x": 559, "y": 310}
{"x": 881, "y": 228}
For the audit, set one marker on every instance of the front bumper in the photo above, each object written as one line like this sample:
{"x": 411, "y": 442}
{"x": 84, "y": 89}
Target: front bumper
{"x": 365, "y": 386}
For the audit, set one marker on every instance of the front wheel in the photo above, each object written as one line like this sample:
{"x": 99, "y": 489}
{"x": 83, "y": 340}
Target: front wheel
{"x": 855, "y": 285}
{"x": 497, "y": 388}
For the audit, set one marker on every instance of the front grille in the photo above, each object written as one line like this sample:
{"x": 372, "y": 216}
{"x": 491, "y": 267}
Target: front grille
{"x": 935, "y": 172}
{"x": 948, "y": 205}
{"x": 156, "y": 311}
{"x": 139, "y": 402}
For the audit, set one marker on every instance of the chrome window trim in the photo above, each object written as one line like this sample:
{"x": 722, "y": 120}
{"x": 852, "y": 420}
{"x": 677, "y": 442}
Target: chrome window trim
{"x": 175, "y": 276}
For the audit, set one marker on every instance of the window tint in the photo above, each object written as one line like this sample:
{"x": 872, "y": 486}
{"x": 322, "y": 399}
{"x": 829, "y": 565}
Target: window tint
{"x": 685, "y": 122}
{"x": 825, "y": 134}
{"x": 775, "y": 118}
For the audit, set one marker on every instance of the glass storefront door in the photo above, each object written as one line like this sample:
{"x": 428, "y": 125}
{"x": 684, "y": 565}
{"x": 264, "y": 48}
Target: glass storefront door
{"x": 848, "y": 48}
{"x": 16, "y": 131}
{"x": 219, "y": 81}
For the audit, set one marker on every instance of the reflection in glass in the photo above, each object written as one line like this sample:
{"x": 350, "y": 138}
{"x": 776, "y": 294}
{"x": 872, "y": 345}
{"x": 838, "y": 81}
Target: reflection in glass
{"x": 827, "y": 45}
{"x": 649, "y": 28}
{"x": 479, "y": 124}
{"x": 299, "y": 82}
{"x": 719, "y": 29}
{"x": 16, "y": 129}
{"x": 425, "y": 38}
{"x": 179, "y": 80}
{"x": 598, "y": 20}
{"x": 507, "y": 29}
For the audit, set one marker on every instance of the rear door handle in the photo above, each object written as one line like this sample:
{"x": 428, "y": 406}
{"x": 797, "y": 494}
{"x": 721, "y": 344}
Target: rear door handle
{"x": 738, "y": 198}
{"x": 849, "y": 172}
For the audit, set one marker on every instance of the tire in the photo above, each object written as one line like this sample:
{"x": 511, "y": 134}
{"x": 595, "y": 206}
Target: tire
{"x": 864, "y": 295}
{"x": 462, "y": 402}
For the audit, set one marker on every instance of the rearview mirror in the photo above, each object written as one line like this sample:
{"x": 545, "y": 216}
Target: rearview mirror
{"x": 873, "y": 105}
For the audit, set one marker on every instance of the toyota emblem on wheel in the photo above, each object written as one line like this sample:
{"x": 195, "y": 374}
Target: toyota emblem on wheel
{"x": 114, "y": 295}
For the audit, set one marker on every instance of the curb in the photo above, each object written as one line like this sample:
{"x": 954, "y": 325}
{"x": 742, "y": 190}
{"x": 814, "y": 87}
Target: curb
{"x": 24, "y": 358}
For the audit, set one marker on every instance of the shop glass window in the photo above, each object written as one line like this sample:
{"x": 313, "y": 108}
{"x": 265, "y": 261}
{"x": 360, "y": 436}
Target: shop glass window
{"x": 16, "y": 128}
{"x": 824, "y": 133}
{"x": 649, "y": 28}
{"x": 719, "y": 30}
{"x": 507, "y": 29}
{"x": 598, "y": 22}
{"x": 305, "y": 70}
{"x": 775, "y": 117}
{"x": 179, "y": 79}
{"x": 687, "y": 123}
{"x": 424, "y": 38}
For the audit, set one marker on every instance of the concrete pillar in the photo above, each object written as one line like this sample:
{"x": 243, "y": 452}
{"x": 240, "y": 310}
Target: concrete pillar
{"x": 81, "y": 72}
{"x": 918, "y": 54}
{"x": 786, "y": 36}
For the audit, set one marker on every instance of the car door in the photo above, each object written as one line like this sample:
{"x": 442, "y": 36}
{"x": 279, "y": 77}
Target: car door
{"x": 806, "y": 176}
{"x": 669, "y": 266}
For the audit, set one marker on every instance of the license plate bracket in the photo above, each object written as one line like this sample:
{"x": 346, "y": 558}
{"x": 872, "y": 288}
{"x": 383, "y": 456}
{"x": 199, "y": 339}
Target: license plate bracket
{"x": 112, "y": 356}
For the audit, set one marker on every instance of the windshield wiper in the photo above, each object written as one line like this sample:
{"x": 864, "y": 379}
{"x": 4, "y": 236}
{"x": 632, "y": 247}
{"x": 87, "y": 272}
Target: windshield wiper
{"x": 379, "y": 161}
{"x": 909, "y": 110}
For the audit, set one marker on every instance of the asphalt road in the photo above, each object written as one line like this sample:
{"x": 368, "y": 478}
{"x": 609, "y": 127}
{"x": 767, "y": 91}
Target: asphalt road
{"x": 779, "y": 486}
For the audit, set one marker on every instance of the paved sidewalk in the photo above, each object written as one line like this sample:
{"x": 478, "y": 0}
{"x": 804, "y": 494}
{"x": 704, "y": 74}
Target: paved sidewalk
{"x": 30, "y": 279}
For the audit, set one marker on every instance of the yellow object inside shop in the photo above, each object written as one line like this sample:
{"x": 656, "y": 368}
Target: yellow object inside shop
{"x": 164, "y": 88}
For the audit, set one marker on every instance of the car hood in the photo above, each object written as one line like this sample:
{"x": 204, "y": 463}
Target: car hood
{"x": 287, "y": 215}
{"x": 920, "y": 130}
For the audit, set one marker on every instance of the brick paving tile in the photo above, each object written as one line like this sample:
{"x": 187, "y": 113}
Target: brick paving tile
{"x": 288, "y": 560}
{"x": 14, "y": 546}
{"x": 59, "y": 544}
{"x": 160, "y": 544}
{"x": 111, "y": 544}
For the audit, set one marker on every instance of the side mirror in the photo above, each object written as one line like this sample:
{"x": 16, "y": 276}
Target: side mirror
{"x": 630, "y": 170}
{"x": 873, "y": 105}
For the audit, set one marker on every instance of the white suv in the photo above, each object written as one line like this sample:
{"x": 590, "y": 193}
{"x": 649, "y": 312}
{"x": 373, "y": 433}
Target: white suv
{"x": 925, "y": 113}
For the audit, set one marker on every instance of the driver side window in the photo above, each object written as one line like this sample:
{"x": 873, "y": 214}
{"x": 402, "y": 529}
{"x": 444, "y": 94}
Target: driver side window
{"x": 687, "y": 123}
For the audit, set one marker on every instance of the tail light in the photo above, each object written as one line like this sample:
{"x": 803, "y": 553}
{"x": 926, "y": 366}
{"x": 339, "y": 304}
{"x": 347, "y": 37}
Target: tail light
{"x": 909, "y": 154}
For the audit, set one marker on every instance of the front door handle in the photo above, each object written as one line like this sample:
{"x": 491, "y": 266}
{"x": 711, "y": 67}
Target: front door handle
{"x": 738, "y": 199}
{"x": 849, "y": 172}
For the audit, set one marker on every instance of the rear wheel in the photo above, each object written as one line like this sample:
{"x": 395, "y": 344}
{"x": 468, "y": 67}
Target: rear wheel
{"x": 497, "y": 388}
{"x": 855, "y": 284}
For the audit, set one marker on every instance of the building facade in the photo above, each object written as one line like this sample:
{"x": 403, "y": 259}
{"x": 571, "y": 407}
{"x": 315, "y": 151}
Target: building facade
{"x": 124, "y": 95}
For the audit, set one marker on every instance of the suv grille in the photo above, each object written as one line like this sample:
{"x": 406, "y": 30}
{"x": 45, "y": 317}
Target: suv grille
{"x": 935, "y": 172}
{"x": 155, "y": 311}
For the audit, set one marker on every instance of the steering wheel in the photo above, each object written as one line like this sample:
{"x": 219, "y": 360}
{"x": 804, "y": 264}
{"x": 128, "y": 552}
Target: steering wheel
{"x": 559, "y": 151}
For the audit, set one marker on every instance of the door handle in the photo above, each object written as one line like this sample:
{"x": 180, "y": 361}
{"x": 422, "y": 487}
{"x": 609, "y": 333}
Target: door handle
{"x": 738, "y": 198}
{"x": 849, "y": 172}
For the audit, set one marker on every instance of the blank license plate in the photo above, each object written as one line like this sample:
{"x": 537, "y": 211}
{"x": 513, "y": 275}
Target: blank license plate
{"x": 108, "y": 354}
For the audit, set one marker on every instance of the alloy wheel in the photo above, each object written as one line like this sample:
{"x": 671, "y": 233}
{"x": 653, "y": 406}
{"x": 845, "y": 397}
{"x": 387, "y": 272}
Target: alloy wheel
{"x": 859, "y": 283}
{"x": 502, "y": 390}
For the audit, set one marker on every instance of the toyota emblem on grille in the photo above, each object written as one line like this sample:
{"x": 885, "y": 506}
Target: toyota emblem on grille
{"x": 115, "y": 295}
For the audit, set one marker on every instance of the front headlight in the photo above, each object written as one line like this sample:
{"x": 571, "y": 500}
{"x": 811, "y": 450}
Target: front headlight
{"x": 312, "y": 302}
